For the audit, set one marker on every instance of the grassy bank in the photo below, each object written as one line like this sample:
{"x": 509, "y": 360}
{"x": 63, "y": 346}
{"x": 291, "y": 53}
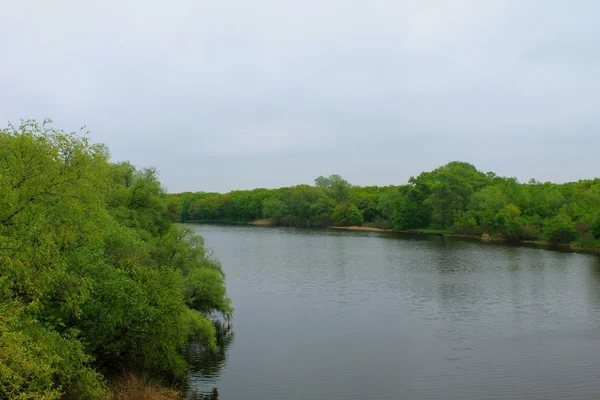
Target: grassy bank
{"x": 97, "y": 281}
{"x": 135, "y": 387}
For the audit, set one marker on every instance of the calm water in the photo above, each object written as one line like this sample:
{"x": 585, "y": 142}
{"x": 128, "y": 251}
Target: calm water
{"x": 324, "y": 314}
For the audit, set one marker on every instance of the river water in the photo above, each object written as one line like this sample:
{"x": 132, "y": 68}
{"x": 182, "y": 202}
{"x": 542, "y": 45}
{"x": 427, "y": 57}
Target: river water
{"x": 326, "y": 314}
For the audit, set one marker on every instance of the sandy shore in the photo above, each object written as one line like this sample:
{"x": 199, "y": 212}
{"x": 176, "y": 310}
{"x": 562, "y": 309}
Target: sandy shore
{"x": 262, "y": 222}
{"x": 360, "y": 228}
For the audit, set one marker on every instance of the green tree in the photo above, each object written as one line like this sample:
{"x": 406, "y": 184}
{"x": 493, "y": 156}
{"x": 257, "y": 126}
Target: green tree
{"x": 339, "y": 187}
{"x": 274, "y": 209}
{"x": 455, "y": 196}
{"x": 485, "y": 205}
{"x": 346, "y": 214}
{"x": 450, "y": 189}
{"x": 508, "y": 222}
{"x": 560, "y": 229}
{"x": 365, "y": 200}
{"x": 466, "y": 224}
{"x": 93, "y": 273}
{"x": 322, "y": 210}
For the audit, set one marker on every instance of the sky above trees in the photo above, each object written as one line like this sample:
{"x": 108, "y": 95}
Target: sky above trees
{"x": 223, "y": 95}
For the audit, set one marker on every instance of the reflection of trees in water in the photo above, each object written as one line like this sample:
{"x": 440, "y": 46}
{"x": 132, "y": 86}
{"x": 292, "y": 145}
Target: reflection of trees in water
{"x": 594, "y": 282}
{"x": 213, "y": 395}
{"x": 208, "y": 364}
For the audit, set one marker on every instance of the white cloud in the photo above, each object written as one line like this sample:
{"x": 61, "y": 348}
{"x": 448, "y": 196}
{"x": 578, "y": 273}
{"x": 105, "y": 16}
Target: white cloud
{"x": 338, "y": 85}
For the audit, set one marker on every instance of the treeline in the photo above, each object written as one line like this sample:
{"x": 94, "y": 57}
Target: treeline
{"x": 455, "y": 198}
{"x": 95, "y": 278}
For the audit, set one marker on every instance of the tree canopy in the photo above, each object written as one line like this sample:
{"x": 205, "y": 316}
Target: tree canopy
{"x": 454, "y": 198}
{"x": 94, "y": 275}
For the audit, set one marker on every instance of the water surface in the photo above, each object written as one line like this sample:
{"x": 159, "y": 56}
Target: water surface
{"x": 324, "y": 314}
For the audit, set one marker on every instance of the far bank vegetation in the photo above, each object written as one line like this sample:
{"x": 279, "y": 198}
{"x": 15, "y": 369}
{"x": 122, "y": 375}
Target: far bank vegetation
{"x": 455, "y": 198}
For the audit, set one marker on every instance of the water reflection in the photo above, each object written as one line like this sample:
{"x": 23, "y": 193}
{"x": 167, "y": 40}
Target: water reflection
{"x": 594, "y": 283}
{"x": 206, "y": 366}
{"x": 351, "y": 315}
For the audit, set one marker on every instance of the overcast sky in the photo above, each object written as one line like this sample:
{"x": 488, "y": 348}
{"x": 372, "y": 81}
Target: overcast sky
{"x": 222, "y": 95}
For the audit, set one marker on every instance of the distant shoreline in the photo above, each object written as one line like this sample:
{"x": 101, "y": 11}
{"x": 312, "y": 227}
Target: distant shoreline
{"x": 360, "y": 229}
{"x": 430, "y": 232}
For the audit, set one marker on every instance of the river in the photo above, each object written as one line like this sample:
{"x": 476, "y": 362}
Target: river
{"x": 327, "y": 314}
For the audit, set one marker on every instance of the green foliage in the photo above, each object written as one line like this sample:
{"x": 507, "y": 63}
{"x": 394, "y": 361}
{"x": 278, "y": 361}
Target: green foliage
{"x": 274, "y": 209}
{"x": 508, "y": 222}
{"x": 465, "y": 224}
{"x": 346, "y": 214}
{"x": 366, "y": 202}
{"x": 338, "y": 186}
{"x": 36, "y": 362}
{"x": 485, "y": 205}
{"x": 560, "y": 229}
{"x": 455, "y": 197}
{"x": 322, "y": 210}
{"x": 596, "y": 228}
{"x": 409, "y": 212}
{"x": 93, "y": 273}
{"x": 450, "y": 189}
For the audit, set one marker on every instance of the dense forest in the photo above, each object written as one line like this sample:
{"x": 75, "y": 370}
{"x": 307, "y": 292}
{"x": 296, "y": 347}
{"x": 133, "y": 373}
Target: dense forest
{"x": 455, "y": 198}
{"x": 96, "y": 280}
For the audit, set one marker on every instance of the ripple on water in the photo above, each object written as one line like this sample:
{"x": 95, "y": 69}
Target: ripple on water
{"x": 338, "y": 315}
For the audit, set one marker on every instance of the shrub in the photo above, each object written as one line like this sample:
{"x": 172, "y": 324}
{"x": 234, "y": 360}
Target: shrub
{"x": 527, "y": 232}
{"x": 560, "y": 229}
{"x": 346, "y": 214}
{"x": 465, "y": 224}
{"x": 596, "y": 228}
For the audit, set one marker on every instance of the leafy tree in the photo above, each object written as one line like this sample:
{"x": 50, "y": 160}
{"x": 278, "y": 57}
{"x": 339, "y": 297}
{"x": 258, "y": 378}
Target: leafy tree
{"x": 339, "y": 187}
{"x": 455, "y": 196}
{"x": 465, "y": 224}
{"x": 508, "y": 222}
{"x": 387, "y": 203}
{"x": 346, "y": 214}
{"x": 596, "y": 228}
{"x": 485, "y": 205}
{"x": 450, "y": 189}
{"x": 93, "y": 274}
{"x": 560, "y": 229}
{"x": 409, "y": 212}
{"x": 275, "y": 209}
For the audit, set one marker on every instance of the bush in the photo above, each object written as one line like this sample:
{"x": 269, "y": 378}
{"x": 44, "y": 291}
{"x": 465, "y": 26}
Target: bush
{"x": 93, "y": 273}
{"x": 560, "y": 229}
{"x": 587, "y": 239}
{"x": 527, "y": 232}
{"x": 346, "y": 214}
{"x": 465, "y": 224}
{"x": 38, "y": 363}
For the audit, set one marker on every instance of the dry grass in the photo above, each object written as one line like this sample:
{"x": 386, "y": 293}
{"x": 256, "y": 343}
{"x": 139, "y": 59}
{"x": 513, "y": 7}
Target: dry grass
{"x": 262, "y": 222}
{"x": 132, "y": 387}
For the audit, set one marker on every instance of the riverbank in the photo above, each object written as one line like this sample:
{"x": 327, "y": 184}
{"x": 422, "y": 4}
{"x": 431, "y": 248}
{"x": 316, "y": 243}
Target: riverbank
{"x": 360, "y": 228}
{"x": 574, "y": 247}
{"x": 485, "y": 238}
